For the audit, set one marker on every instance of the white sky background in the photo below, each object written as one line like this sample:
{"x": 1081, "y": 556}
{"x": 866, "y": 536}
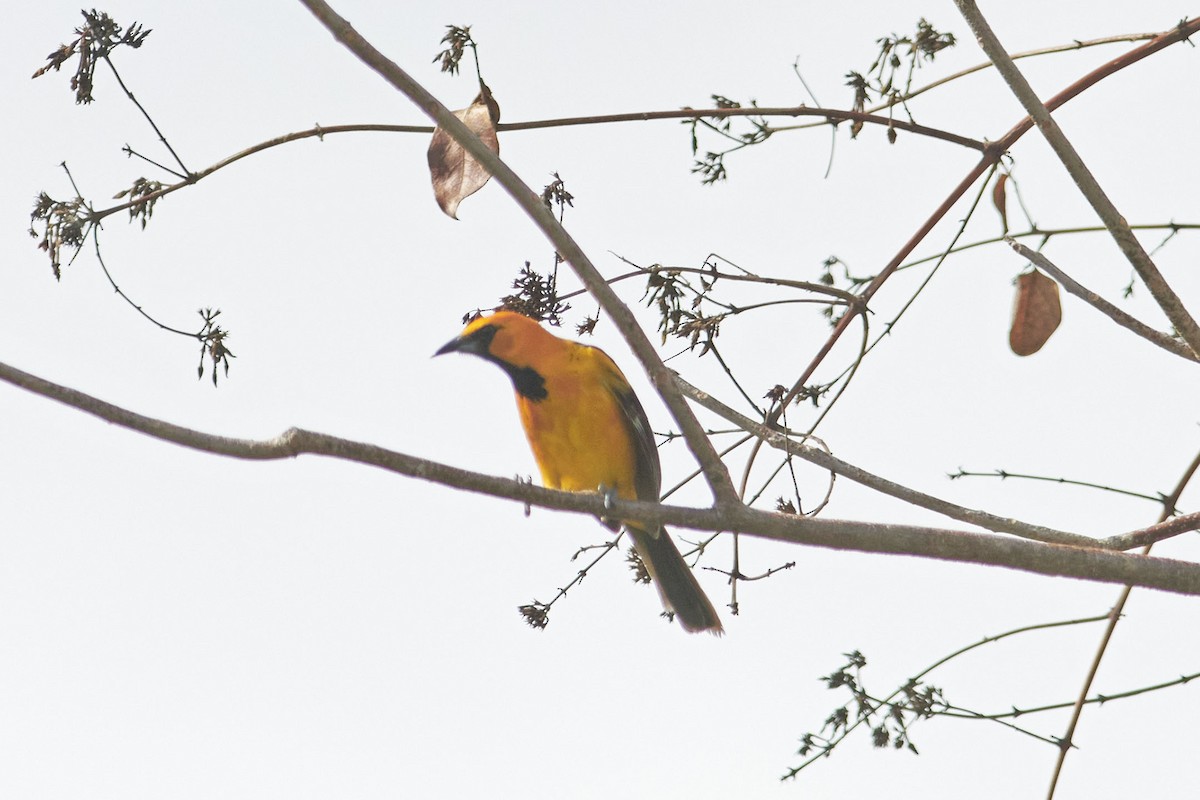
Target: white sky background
{"x": 178, "y": 625}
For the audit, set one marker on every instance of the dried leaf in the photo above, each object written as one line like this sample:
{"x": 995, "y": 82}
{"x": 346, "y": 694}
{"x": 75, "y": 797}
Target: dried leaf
{"x": 1000, "y": 200}
{"x": 1036, "y": 314}
{"x": 455, "y": 174}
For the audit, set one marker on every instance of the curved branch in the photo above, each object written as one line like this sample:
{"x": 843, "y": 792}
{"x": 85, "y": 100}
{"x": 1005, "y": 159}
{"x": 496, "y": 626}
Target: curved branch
{"x": 195, "y": 177}
{"x": 1090, "y": 564}
{"x": 321, "y": 131}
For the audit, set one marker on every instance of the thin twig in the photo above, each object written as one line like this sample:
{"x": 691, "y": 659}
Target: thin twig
{"x": 95, "y": 234}
{"x": 958, "y": 712}
{"x": 912, "y": 681}
{"x": 186, "y": 172}
{"x": 1004, "y": 475}
{"x": 1041, "y": 51}
{"x": 1171, "y": 345}
{"x": 1094, "y": 699}
{"x": 317, "y": 132}
{"x": 1045, "y": 234}
{"x": 580, "y": 574}
{"x": 830, "y": 115}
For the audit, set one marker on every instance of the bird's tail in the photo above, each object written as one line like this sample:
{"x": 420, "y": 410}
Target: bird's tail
{"x": 677, "y": 586}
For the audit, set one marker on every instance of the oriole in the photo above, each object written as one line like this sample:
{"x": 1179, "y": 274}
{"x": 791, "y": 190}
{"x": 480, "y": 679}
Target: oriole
{"x": 588, "y": 432}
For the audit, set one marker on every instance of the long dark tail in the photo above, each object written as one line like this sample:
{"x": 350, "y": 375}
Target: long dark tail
{"x": 677, "y": 586}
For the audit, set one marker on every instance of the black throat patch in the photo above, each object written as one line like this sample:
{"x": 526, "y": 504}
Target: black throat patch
{"x": 528, "y": 382}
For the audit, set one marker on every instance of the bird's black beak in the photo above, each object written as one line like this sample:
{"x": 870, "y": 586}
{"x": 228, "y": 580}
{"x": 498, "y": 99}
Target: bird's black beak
{"x": 478, "y": 342}
{"x": 452, "y": 346}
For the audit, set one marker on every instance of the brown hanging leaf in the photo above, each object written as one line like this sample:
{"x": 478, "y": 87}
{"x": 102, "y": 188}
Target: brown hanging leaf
{"x": 1000, "y": 200}
{"x": 1036, "y": 314}
{"x": 455, "y": 174}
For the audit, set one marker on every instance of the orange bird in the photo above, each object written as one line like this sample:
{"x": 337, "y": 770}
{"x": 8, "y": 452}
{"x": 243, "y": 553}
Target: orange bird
{"x": 588, "y": 433}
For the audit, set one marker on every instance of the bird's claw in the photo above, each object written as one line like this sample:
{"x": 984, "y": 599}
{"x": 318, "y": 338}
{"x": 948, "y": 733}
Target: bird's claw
{"x": 609, "y": 495}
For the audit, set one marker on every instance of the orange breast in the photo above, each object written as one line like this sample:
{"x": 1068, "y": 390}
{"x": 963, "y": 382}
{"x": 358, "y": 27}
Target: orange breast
{"x": 578, "y": 435}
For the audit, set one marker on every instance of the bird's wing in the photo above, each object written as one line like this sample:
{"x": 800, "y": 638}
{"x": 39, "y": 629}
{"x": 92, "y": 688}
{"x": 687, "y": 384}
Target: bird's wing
{"x": 647, "y": 479}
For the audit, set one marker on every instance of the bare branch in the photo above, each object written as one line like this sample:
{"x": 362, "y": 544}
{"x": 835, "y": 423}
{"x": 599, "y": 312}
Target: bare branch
{"x": 1154, "y": 533}
{"x": 1092, "y": 564}
{"x": 1166, "y": 298}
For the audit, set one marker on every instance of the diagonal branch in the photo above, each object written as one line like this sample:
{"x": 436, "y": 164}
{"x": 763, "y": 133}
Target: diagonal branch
{"x": 780, "y": 440}
{"x": 1147, "y": 536}
{"x": 1103, "y": 306}
{"x": 1166, "y": 298}
{"x": 706, "y": 456}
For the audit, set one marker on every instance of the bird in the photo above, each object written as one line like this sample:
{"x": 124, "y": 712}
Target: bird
{"x": 588, "y": 433}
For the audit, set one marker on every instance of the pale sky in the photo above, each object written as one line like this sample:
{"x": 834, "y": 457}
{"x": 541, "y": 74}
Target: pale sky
{"x": 178, "y": 625}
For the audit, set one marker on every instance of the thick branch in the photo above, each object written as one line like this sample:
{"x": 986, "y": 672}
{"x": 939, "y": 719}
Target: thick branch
{"x": 974, "y": 548}
{"x": 714, "y": 469}
{"x": 1166, "y": 298}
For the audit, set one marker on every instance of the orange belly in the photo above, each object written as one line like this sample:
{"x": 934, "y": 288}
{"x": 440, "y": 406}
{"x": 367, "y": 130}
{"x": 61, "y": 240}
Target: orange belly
{"x": 578, "y": 439}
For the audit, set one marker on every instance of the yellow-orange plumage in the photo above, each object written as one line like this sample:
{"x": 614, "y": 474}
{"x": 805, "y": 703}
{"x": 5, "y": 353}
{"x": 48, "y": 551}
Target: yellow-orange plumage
{"x": 588, "y": 432}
